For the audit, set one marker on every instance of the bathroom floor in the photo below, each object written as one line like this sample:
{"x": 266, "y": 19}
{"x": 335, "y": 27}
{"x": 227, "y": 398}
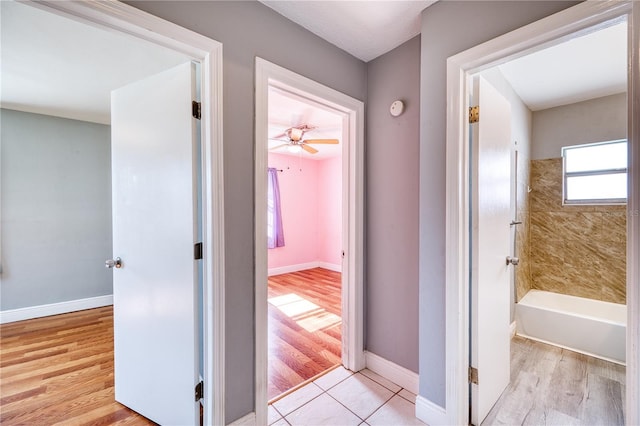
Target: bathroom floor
{"x": 555, "y": 386}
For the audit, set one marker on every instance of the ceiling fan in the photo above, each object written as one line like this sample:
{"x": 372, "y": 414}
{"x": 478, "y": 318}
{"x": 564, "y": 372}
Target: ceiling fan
{"x": 293, "y": 136}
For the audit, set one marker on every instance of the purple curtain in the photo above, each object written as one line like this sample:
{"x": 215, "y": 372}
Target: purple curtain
{"x": 275, "y": 234}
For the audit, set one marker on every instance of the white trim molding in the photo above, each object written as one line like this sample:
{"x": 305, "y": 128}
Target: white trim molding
{"x": 549, "y": 31}
{"x": 302, "y": 267}
{"x": 352, "y": 111}
{"x": 129, "y": 20}
{"x": 430, "y": 413}
{"x": 30, "y": 312}
{"x": 392, "y": 371}
{"x": 633, "y": 223}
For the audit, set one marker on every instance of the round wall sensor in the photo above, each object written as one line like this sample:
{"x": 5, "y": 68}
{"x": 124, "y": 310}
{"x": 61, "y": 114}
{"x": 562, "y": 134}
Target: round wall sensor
{"x": 396, "y": 108}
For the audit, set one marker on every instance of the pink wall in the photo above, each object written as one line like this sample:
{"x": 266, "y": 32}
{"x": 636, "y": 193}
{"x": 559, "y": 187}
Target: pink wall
{"x": 330, "y": 217}
{"x": 310, "y": 193}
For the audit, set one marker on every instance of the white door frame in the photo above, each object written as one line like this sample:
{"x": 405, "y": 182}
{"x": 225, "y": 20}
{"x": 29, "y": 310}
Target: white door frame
{"x": 269, "y": 74}
{"x": 546, "y": 32}
{"x": 129, "y": 20}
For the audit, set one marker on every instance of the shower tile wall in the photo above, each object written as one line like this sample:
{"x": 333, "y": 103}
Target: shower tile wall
{"x": 575, "y": 250}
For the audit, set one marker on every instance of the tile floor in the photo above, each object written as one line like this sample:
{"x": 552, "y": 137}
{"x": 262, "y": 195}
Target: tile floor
{"x": 342, "y": 398}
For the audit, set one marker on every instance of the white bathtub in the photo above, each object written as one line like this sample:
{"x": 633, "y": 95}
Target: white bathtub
{"x": 582, "y": 325}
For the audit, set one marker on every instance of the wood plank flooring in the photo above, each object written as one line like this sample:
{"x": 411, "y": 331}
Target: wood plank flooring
{"x": 305, "y": 327}
{"x": 59, "y": 370}
{"x": 555, "y": 386}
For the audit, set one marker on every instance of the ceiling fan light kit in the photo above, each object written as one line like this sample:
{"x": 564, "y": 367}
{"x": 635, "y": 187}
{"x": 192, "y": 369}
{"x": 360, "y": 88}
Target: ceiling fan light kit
{"x": 294, "y": 149}
{"x": 294, "y": 142}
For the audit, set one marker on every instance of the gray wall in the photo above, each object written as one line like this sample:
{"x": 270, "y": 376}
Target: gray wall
{"x": 392, "y": 173}
{"x": 56, "y": 209}
{"x": 448, "y": 28}
{"x": 247, "y": 30}
{"x": 595, "y": 120}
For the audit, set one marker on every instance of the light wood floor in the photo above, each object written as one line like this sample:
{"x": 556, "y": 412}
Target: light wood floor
{"x": 305, "y": 327}
{"x": 59, "y": 370}
{"x": 555, "y": 386}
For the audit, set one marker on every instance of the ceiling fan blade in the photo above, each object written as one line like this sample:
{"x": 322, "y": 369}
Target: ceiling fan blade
{"x": 309, "y": 149}
{"x": 279, "y": 146}
{"x": 281, "y": 135}
{"x": 322, "y": 141}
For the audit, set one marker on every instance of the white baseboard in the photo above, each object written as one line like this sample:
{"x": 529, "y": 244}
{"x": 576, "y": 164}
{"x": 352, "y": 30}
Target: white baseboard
{"x": 512, "y": 329}
{"x": 12, "y": 315}
{"x": 430, "y": 413}
{"x": 303, "y": 266}
{"x": 391, "y": 371}
{"x": 248, "y": 420}
{"x": 330, "y": 266}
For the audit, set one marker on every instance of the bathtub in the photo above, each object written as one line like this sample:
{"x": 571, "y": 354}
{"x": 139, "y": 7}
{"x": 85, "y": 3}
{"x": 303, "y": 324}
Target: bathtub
{"x": 582, "y": 325}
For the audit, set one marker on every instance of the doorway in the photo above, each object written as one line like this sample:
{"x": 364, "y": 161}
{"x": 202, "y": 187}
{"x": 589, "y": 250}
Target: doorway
{"x": 351, "y": 111}
{"x": 304, "y": 237}
{"x": 568, "y": 247}
{"x": 127, "y": 21}
{"x": 550, "y": 31}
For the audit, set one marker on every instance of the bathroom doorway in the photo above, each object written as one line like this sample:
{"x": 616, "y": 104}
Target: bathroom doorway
{"x": 568, "y": 236}
{"x": 576, "y": 22}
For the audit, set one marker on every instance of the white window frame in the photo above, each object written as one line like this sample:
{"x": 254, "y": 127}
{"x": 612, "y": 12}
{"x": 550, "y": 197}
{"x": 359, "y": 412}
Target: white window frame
{"x": 590, "y": 201}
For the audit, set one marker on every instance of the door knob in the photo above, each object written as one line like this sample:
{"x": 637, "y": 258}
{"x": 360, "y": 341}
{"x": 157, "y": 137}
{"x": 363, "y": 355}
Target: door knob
{"x": 113, "y": 263}
{"x": 512, "y": 261}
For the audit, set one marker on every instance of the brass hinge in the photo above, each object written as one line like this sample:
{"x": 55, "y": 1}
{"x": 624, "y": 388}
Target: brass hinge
{"x": 473, "y": 375}
{"x": 196, "y": 109}
{"x": 474, "y": 114}
{"x": 197, "y": 251}
{"x": 199, "y": 391}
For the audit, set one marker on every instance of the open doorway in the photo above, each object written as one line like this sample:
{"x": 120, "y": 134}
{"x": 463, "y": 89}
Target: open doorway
{"x": 350, "y": 254}
{"x": 563, "y": 26}
{"x": 73, "y": 182}
{"x": 304, "y": 229}
{"x": 568, "y": 147}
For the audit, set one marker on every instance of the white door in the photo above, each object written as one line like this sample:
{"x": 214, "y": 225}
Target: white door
{"x": 491, "y": 171}
{"x": 154, "y": 228}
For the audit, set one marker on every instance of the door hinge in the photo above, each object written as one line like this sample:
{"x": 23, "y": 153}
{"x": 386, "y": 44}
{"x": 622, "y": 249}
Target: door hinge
{"x": 473, "y": 375}
{"x": 474, "y": 114}
{"x": 196, "y": 109}
{"x": 199, "y": 391}
{"x": 197, "y": 251}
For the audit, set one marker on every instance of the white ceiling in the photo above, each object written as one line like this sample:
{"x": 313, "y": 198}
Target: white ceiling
{"x": 365, "y": 29}
{"x": 57, "y": 66}
{"x": 582, "y": 68}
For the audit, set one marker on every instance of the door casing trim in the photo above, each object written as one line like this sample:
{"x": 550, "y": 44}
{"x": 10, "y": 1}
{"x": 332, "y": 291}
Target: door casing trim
{"x": 137, "y": 23}
{"x": 269, "y": 74}
{"x": 546, "y": 32}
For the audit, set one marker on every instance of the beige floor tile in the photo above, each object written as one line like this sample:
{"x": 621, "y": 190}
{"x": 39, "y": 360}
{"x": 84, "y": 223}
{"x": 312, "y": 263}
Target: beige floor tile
{"x": 332, "y": 378}
{"x": 297, "y": 399}
{"x": 360, "y": 394}
{"x": 398, "y": 411}
{"x": 323, "y": 410}
{"x": 409, "y": 396}
{"x": 379, "y": 379}
{"x": 273, "y": 415}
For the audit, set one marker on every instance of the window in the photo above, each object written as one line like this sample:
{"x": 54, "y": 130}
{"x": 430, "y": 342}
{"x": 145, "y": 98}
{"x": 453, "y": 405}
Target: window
{"x": 595, "y": 173}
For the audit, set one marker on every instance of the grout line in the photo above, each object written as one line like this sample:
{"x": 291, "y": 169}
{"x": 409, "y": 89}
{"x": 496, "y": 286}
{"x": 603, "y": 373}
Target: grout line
{"x": 348, "y": 409}
{"x": 383, "y": 404}
{"x": 300, "y": 385}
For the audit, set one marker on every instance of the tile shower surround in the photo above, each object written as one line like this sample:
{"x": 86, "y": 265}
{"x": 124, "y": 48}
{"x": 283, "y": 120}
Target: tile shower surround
{"x": 576, "y": 250}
